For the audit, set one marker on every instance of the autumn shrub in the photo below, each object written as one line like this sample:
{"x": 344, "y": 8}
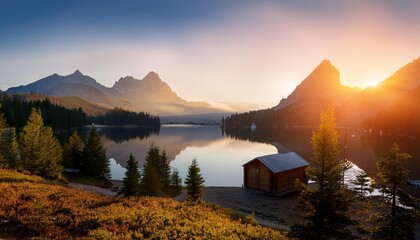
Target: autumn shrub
{"x": 7, "y": 175}
{"x": 43, "y": 210}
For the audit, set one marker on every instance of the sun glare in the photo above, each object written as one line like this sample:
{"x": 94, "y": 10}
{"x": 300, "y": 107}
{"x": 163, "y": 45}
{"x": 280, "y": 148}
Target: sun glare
{"x": 372, "y": 82}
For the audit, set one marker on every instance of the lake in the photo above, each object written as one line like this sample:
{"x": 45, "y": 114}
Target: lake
{"x": 221, "y": 156}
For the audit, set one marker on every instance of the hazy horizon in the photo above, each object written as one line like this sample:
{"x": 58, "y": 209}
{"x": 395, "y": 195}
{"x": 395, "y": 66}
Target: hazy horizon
{"x": 241, "y": 52}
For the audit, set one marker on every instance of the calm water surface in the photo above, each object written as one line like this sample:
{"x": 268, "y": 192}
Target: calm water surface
{"x": 221, "y": 157}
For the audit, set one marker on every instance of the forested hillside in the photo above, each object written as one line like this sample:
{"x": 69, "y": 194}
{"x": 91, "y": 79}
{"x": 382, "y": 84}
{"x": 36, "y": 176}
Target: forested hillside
{"x": 16, "y": 109}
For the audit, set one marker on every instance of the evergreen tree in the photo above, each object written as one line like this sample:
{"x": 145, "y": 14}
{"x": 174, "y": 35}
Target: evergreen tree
{"x": 73, "y": 153}
{"x": 164, "y": 171}
{"x": 194, "y": 183}
{"x": 176, "y": 182}
{"x": 131, "y": 181}
{"x": 157, "y": 166}
{"x": 402, "y": 209}
{"x": 11, "y": 150}
{"x": 151, "y": 184}
{"x": 40, "y": 151}
{"x": 3, "y": 147}
{"x": 324, "y": 209}
{"x": 95, "y": 163}
{"x": 362, "y": 184}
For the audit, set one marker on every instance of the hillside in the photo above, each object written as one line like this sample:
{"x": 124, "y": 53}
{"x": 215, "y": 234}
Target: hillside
{"x": 33, "y": 208}
{"x": 390, "y": 106}
{"x": 379, "y": 98}
{"x": 69, "y": 102}
{"x": 401, "y": 117}
{"x": 149, "y": 94}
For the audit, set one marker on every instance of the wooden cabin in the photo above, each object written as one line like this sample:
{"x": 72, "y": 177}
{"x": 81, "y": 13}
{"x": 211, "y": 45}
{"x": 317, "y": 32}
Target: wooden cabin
{"x": 275, "y": 173}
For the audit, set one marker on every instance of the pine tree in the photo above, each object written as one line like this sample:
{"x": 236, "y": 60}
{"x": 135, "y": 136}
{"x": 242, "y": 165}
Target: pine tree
{"x": 151, "y": 184}
{"x": 157, "y": 165}
{"x": 165, "y": 172}
{"x": 362, "y": 184}
{"x": 11, "y": 150}
{"x": 95, "y": 164}
{"x": 323, "y": 210}
{"x": 73, "y": 154}
{"x": 40, "y": 150}
{"x": 403, "y": 212}
{"x": 3, "y": 147}
{"x": 176, "y": 182}
{"x": 194, "y": 183}
{"x": 131, "y": 181}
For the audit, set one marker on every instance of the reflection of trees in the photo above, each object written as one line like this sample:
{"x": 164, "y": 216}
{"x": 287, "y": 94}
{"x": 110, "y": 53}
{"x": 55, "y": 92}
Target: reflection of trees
{"x": 121, "y": 134}
{"x": 174, "y": 139}
{"x": 116, "y": 134}
{"x": 295, "y": 139}
{"x": 381, "y": 145}
{"x": 364, "y": 150}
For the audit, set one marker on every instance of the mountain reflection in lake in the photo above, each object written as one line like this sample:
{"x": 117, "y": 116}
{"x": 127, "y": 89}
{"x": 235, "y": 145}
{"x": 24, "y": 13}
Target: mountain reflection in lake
{"x": 221, "y": 156}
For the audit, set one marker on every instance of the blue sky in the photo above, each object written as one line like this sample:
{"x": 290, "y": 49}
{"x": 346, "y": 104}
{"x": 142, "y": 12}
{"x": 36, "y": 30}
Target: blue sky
{"x": 241, "y": 52}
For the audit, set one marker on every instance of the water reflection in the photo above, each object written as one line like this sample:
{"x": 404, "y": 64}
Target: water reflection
{"x": 363, "y": 149}
{"x": 221, "y": 156}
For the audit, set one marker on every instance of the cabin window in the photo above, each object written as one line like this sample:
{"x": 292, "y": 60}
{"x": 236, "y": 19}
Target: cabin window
{"x": 257, "y": 170}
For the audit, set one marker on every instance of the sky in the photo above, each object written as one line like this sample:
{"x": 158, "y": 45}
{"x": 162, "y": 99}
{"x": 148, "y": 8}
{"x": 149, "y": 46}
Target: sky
{"x": 240, "y": 52}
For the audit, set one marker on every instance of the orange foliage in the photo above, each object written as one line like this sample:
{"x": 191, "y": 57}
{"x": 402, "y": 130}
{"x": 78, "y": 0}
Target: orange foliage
{"x": 53, "y": 211}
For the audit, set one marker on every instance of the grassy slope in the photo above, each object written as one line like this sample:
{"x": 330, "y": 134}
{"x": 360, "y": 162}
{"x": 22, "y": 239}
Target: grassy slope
{"x": 32, "y": 207}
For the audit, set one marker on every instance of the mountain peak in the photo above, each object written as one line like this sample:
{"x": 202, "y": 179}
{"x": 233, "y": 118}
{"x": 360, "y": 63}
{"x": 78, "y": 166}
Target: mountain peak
{"x": 322, "y": 82}
{"x": 77, "y": 72}
{"x": 152, "y": 76}
{"x": 326, "y": 62}
{"x": 324, "y": 74}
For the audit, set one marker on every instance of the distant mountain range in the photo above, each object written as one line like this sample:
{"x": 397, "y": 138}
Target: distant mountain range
{"x": 150, "y": 94}
{"x": 369, "y": 108}
{"x": 392, "y": 105}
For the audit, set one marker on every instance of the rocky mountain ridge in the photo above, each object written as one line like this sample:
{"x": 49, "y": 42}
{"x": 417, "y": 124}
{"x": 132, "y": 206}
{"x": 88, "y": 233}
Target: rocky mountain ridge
{"x": 149, "y": 94}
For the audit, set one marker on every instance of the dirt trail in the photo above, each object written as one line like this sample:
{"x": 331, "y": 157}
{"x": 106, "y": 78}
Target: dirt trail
{"x": 90, "y": 188}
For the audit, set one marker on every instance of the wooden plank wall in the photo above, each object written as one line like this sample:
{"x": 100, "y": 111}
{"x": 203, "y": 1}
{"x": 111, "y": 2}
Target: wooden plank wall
{"x": 251, "y": 175}
{"x": 265, "y": 178}
{"x": 258, "y": 179}
{"x": 286, "y": 180}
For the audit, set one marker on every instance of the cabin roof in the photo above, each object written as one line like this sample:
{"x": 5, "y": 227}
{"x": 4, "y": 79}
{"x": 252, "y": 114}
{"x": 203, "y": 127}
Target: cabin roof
{"x": 282, "y": 161}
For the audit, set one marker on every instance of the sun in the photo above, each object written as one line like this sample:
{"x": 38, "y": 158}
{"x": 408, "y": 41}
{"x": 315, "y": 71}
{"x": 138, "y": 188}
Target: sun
{"x": 372, "y": 82}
